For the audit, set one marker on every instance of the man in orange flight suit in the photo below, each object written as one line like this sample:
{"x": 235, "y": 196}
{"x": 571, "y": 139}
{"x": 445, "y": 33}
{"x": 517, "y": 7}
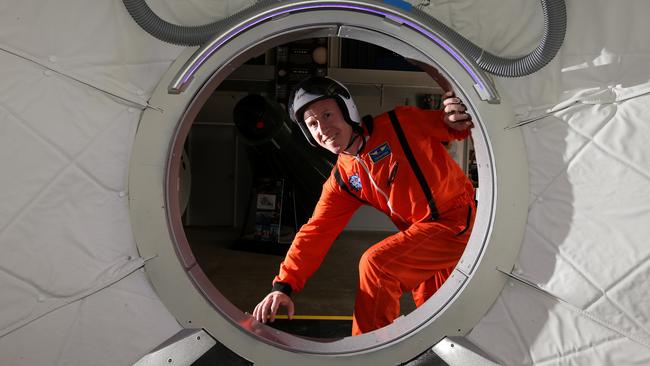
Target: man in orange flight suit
{"x": 395, "y": 162}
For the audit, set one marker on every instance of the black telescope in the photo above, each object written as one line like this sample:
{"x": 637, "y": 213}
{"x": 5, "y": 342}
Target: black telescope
{"x": 278, "y": 150}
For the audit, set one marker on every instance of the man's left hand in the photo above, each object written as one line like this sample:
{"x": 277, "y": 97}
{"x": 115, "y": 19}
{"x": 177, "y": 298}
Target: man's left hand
{"x": 456, "y": 116}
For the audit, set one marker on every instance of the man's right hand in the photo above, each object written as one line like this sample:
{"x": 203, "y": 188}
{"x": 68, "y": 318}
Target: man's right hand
{"x": 268, "y": 307}
{"x": 456, "y": 115}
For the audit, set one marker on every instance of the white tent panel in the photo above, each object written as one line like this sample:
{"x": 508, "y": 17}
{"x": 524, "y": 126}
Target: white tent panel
{"x": 585, "y": 242}
{"x": 553, "y": 152}
{"x": 22, "y": 155}
{"x": 629, "y": 300}
{"x": 75, "y": 77}
{"x": 115, "y": 326}
{"x": 527, "y": 327}
{"x": 509, "y": 27}
{"x": 541, "y": 263}
{"x": 71, "y": 232}
{"x": 65, "y": 145}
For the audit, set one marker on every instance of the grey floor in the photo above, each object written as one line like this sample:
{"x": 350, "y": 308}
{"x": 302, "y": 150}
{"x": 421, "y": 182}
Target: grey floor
{"x": 244, "y": 277}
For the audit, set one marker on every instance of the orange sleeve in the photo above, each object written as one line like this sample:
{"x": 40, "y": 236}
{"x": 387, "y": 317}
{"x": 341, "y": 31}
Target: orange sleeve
{"x": 314, "y": 239}
{"x": 433, "y": 123}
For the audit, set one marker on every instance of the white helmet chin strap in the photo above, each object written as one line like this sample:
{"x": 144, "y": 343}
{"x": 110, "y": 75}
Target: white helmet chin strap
{"x": 353, "y": 138}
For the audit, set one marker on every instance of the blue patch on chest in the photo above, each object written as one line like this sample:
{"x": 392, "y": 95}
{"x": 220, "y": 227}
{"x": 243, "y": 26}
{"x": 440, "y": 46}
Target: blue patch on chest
{"x": 380, "y": 152}
{"x": 355, "y": 182}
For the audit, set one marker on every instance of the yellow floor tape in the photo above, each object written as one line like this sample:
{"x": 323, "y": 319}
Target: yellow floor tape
{"x": 316, "y": 317}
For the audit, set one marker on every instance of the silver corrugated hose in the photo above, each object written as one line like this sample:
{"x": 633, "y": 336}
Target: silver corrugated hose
{"x": 176, "y": 34}
{"x": 555, "y": 21}
{"x": 554, "y": 31}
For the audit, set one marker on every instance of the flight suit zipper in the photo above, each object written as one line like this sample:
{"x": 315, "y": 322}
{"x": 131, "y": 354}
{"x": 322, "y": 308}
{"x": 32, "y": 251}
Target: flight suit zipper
{"x": 390, "y": 207}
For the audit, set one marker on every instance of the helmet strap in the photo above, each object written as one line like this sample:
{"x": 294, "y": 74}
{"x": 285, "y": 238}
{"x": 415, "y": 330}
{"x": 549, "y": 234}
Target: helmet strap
{"x": 353, "y": 139}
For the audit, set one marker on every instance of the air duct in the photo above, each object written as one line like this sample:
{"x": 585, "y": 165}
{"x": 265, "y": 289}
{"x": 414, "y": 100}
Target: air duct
{"x": 554, "y": 30}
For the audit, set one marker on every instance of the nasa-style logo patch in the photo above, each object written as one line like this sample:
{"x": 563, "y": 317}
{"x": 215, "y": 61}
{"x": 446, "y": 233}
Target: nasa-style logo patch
{"x": 355, "y": 182}
{"x": 380, "y": 152}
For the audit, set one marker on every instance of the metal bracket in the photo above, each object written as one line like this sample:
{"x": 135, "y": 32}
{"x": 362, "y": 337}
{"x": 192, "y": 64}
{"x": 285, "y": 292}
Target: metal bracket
{"x": 181, "y": 349}
{"x": 459, "y": 351}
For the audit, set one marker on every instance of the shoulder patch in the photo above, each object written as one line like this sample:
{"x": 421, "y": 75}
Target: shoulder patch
{"x": 355, "y": 182}
{"x": 380, "y": 152}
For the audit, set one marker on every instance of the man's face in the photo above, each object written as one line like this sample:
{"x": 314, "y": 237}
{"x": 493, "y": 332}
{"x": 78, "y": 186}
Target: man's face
{"x": 327, "y": 126}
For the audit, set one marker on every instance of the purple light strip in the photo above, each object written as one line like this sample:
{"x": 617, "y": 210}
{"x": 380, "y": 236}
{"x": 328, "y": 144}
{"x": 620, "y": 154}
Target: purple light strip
{"x": 398, "y": 19}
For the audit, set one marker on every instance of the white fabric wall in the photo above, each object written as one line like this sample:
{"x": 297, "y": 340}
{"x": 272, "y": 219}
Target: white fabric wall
{"x": 71, "y": 292}
{"x": 71, "y": 288}
{"x": 586, "y": 241}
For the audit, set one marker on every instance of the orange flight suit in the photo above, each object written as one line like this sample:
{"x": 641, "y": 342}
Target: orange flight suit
{"x": 404, "y": 171}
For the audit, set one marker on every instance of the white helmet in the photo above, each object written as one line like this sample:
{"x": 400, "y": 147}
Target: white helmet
{"x": 318, "y": 88}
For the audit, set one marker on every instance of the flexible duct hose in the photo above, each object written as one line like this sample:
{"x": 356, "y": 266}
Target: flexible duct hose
{"x": 167, "y": 32}
{"x": 554, "y": 31}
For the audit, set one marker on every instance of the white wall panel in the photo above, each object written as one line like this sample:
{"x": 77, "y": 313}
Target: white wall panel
{"x": 65, "y": 232}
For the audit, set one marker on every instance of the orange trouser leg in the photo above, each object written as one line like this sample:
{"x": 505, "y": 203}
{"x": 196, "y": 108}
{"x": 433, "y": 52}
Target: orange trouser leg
{"x": 422, "y": 256}
{"x": 424, "y": 290}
